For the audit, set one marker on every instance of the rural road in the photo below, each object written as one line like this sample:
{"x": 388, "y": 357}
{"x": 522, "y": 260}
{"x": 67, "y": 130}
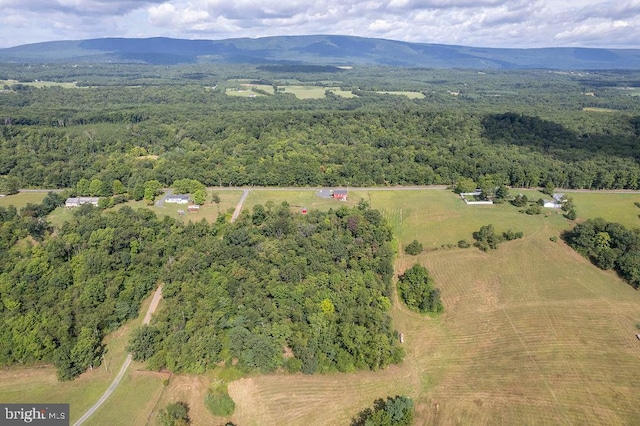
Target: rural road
{"x": 147, "y": 318}
{"x": 238, "y": 209}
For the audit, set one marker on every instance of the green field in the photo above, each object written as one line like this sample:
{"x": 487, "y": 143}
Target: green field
{"x": 612, "y": 207}
{"x": 245, "y": 90}
{"x": 410, "y": 95}
{"x": 297, "y": 199}
{"x": 41, "y": 84}
{"x": 304, "y": 92}
{"x": 21, "y": 199}
{"x": 532, "y": 332}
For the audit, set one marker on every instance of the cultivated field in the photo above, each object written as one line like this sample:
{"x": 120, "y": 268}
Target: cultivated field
{"x": 40, "y": 84}
{"x": 532, "y": 333}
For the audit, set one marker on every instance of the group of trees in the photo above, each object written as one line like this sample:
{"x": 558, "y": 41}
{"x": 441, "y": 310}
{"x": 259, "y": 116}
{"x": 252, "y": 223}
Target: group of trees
{"x": 305, "y": 293}
{"x": 394, "y": 411}
{"x": 609, "y": 245}
{"x": 62, "y": 292}
{"x": 487, "y": 238}
{"x": 416, "y": 290}
{"x": 175, "y": 414}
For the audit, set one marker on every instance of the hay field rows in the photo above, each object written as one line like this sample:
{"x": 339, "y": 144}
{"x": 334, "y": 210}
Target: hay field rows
{"x": 532, "y": 334}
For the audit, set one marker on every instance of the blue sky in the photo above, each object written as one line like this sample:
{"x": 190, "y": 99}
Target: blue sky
{"x": 486, "y": 23}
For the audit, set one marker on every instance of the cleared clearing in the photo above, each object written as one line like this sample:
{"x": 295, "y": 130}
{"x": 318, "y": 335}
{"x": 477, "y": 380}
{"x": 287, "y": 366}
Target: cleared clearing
{"x": 305, "y": 92}
{"x": 410, "y": 95}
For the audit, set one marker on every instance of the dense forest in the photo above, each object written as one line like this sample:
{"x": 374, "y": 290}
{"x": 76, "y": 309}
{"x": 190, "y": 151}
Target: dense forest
{"x": 523, "y": 128}
{"x": 61, "y": 292}
{"x": 307, "y": 292}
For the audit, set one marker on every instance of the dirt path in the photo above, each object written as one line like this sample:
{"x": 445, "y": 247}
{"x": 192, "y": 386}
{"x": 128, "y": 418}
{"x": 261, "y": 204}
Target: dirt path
{"x": 152, "y": 308}
{"x": 238, "y": 209}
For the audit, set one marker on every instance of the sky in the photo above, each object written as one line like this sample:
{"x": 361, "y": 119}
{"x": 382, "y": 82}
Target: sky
{"x": 482, "y": 23}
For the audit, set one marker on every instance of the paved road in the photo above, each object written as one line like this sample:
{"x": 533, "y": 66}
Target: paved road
{"x": 238, "y": 209}
{"x": 152, "y": 308}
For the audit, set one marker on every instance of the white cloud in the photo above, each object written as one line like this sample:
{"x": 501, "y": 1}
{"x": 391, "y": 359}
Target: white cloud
{"x": 495, "y": 23}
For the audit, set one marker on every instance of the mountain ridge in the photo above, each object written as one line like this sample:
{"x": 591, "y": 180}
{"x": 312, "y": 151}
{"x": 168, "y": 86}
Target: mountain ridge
{"x": 319, "y": 50}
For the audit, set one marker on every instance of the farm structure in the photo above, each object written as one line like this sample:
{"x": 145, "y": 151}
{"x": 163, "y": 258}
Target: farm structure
{"x": 78, "y": 201}
{"x": 336, "y": 194}
{"x": 477, "y": 192}
{"x": 193, "y": 207}
{"x": 556, "y": 203}
{"x": 177, "y": 199}
{"x": 339, "y": 194}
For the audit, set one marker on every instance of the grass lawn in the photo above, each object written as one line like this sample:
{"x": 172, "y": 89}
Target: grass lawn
{"x": 21, "y": 199}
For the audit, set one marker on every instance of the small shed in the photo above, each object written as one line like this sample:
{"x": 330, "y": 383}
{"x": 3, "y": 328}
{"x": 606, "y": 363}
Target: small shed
{"x": 193, "y": 207}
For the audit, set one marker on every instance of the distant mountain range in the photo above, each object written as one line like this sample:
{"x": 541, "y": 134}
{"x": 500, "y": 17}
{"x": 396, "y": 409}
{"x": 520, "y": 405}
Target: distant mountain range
{"x": 319, "y": 50}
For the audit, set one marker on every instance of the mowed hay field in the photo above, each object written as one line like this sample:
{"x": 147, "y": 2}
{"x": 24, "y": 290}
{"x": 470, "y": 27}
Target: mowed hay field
{"x": 532, "y": 333}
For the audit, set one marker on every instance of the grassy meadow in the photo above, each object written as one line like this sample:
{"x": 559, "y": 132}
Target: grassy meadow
{"x": 532, "y": 332}
{"x": 410, "y": 95}
{"x": 21, "y": 199}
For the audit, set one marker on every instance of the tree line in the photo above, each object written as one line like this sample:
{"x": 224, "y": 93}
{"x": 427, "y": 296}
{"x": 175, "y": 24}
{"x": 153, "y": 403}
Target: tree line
{"x": 410, "y": 146}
